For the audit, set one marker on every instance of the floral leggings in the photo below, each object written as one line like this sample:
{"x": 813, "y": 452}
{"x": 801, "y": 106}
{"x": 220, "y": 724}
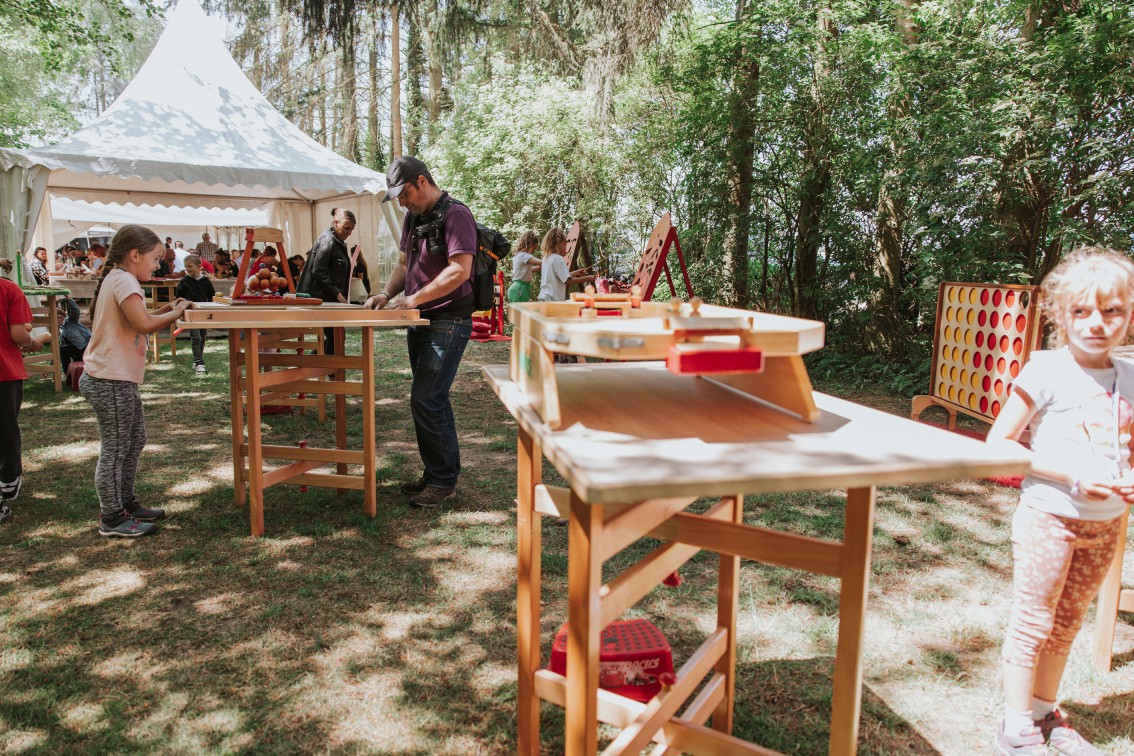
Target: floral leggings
{"x": 1059, "y": 565}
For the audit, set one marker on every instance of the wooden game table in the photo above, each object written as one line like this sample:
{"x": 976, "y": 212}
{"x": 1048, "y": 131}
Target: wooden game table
{"x": 637, "y": 445}
{"x": 46, "y": 315}
{"x": 265, "y": 367}
{"x": 159, "y": 292}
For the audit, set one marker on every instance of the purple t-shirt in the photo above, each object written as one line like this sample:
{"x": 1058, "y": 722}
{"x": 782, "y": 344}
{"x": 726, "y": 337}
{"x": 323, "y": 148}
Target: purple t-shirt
{"x": 422, "y": 266}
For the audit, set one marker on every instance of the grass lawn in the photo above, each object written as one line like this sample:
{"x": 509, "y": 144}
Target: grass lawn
{"x": 397, "y": 635}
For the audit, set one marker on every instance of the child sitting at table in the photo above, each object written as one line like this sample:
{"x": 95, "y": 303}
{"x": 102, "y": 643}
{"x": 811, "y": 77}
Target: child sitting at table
{"x": 115, "y": 368}
{"x": 196, "y": 287}
{"x": 15, "y": 335}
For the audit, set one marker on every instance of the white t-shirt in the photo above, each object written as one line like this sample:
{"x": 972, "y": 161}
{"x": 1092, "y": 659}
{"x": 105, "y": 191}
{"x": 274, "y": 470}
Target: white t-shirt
{"x": 116, "y": 351}
{"x": 1079, "y": 426}
{"x": 553, "y": 279}
{"x": 522, "y": 266}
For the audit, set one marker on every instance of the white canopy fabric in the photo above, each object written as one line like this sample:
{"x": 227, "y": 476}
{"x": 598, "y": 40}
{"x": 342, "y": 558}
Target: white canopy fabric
{"x": 192, "y": 132}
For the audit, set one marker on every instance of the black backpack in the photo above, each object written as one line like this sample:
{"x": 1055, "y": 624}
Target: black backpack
{"x": 491, "y": 247}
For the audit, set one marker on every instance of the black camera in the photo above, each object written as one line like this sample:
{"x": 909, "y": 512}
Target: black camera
{"x": 431, "y": 227}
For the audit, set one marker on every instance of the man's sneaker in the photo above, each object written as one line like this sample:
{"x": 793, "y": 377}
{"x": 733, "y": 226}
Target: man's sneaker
{"x": 145, "y": 514}
{"x": 432, "y": 496}
{"x": 1063, "y": 737}
{"x": 9, "y": 491}
{"x": 128, "y": 528}
{"x": 414, "y": 486}
{"x": 1029, "y": 741}
{"x": 5, "y": 512}
{"x": 201, "y": 370}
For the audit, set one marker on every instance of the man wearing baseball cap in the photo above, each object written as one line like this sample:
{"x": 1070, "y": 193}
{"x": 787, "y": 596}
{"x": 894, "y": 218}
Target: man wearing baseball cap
{"x": 437, "y": 249}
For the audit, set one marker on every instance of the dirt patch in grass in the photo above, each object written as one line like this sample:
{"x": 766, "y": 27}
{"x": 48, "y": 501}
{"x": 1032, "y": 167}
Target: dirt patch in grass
{"x": 396, "y": 635}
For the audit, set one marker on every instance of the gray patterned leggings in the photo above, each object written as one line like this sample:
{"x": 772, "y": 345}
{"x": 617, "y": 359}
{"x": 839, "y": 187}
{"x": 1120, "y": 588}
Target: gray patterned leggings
{"x": 122, "y": 428}
{"x": 1059, "y": 565}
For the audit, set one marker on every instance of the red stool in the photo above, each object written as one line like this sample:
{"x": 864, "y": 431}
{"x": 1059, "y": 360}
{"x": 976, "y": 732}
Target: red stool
{"x": 634, "y": 654}
{"x": 74, "y": 373}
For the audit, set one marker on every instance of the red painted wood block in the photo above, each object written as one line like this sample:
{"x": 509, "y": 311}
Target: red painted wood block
{"x": 687, "y": 360}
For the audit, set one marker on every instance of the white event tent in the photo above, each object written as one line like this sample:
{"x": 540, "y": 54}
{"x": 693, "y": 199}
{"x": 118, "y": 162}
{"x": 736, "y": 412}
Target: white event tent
{"x": 191, "y": 144}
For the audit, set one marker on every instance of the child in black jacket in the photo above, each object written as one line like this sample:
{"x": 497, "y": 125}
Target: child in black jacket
{"x": 196, "y": 287}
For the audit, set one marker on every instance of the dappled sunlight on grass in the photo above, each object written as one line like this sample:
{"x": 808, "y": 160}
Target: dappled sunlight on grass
{"x": 18, "y": 741}
{"x": 84, "y": 717}
{"x": 192, "y": 487}
{"x": 79, "y": 451}
{"x": 219, "y": 604}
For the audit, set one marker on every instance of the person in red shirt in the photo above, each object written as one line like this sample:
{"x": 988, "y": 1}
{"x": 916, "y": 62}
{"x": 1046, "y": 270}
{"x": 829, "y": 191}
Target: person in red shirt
{"x": 15, "y": 335}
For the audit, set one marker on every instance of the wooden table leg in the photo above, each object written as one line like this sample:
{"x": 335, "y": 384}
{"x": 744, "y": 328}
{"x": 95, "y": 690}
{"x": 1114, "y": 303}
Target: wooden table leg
{"x": 340, "y": 402}
{"x": 370, "y": 496}
{"x": 236, "y": 398}
{"x": 53, "y": 327}
{"x": 728, "y": 587}
{"x": 584, "y": 579}
{"x": 255, "y": 455}
{"x": 1110, "y": 594}
{"x": 529, "y": 470}
{"x": 846, "y": 702}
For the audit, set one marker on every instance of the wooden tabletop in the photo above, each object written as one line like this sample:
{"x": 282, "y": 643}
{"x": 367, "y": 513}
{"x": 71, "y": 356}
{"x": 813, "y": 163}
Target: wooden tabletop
{"x": 323, "y": 314}
{"x": 635, "y": 431}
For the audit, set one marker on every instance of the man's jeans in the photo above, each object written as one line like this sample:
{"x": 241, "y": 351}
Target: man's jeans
{"x": 435, "y": 352}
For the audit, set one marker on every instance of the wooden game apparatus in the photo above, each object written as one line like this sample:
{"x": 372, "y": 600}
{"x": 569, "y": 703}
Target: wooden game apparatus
{"x": 984, "y": 334}
{"x": 637, "y": 443}
{"x": 268, "y": 236}
{"x": 251, "y": 330}
{"x": 160, "y": 292}
{"x": 754, "y": 353}
{"x": 46, "y": 316}
{"x": 1113, "y": 598}
{"x": 655, "y": 259}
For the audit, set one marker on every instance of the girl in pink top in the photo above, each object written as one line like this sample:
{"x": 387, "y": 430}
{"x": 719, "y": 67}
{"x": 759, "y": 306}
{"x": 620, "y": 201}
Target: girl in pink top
{"x": 115, "y": 367}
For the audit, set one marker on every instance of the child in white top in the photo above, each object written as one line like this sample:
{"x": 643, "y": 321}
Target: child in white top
{"x": 524, "y": 263}
{"x": 115, "y": 367}
{"x": 555, "y": 277}
{"x": 1078, "y": 402}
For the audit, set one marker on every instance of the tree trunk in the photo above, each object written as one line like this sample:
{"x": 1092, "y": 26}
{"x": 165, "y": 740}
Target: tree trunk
{"x": 349, "y": 144}
{"x": 891, "y": 209}
{"x": 415, "y": 70}
{"x": 742, "y": 148}
{"x": 395, "y": 81}
{"x": 433, "y": 62}
{"x": 816, "y": 178}
{"x": 374, "y": 155}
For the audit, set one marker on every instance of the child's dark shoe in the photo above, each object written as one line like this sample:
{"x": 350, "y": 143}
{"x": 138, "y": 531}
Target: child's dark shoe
{"x": 145, "y": 514}
{"x": 127, "y": 527}
{"x": 9, "y": 491}
{"x": 5, "y": 512}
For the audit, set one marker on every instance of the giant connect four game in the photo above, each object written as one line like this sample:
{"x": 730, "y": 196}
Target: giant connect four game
{"x": 985, "y": 333}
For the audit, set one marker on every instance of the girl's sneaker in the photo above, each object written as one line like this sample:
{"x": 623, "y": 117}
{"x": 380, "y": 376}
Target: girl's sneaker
{"x": 5, "y": 512}
{"x": 1028, "y": 742}
{"x": 128, "y": 528}
{"x": 1063, "y": 737}
{"x": 145, "y": 514}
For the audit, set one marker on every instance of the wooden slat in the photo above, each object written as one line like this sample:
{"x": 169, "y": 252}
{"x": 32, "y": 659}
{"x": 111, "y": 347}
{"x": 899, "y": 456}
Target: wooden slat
{"x": 326, "y": 480}
{"x": 584, "y": 633}
{"x": 701, "y": 708}
{"x": 344, "y": 388}
{"x": 755, "y": 543}
{"x": 612, "y": 708}
{"x": 276, "y": 377}
{"x": 686, "y": 737}
{"x": 623, "y": 528}
{"x": 288, "y": 472}
{"x": 330, "y": 362}
{"x": 647, "y": 573}
{"x": 661, "y": 708}
{"x": 309, "y": 453}
{"x": 529, "y": 469}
